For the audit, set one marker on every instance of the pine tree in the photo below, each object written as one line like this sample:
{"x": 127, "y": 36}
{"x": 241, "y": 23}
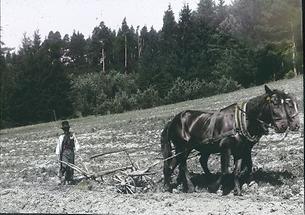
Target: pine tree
{"x": 41, "y": 84}
{"x": 77, "y": 50}
{"x": 102, "y": 41}
{"x": 206, "y": 13}
{"x": 186, "y": 42}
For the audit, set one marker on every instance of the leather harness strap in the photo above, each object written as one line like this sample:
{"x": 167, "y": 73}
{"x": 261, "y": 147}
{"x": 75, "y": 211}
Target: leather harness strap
{"x": 241, "y": 123}
{"x": 212, "y": 124}
{"x": 240, "y": 126}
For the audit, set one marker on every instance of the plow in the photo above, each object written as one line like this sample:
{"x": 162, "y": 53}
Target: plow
{"x": 127, "y": 179}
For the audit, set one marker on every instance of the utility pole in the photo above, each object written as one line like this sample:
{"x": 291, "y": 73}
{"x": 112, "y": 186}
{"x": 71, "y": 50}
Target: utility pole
{"x": 102, "y": 61}
{"x": 0, "y": 27}
{"x": 139, "y": 46}
{"x": 139, "y": 43}
{"x": 125, "y": 65}
{"x": 293, "y": 52}
{"x": 2, "y": 88}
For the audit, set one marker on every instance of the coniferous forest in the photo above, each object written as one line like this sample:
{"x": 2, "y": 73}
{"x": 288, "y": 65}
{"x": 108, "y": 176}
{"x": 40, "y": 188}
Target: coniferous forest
{"x": 213, "y": 49}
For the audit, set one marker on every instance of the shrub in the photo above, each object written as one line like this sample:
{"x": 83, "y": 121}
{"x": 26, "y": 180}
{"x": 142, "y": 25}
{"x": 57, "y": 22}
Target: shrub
{"x": 178, "y": 91}
{"x": 87, "y": 91}
{"x": 226, "y": 85}
{"x": 183, "y": 90}
{"x": 116, "y": 93}
{"x": 122, "y": 102}
{"x": 147, "y": 98}
{"x": 99, "y": 94}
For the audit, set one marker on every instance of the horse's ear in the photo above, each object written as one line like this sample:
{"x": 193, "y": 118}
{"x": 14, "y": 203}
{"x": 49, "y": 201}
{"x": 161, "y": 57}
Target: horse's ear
{"x": 268, "y": 90}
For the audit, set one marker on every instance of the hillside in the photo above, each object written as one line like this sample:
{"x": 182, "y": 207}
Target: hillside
{"x": 28, "y": 165}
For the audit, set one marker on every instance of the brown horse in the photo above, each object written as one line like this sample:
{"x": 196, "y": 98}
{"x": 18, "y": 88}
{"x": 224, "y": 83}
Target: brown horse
{"x": 230, "y": 131}
{"x": 291, "y": 109}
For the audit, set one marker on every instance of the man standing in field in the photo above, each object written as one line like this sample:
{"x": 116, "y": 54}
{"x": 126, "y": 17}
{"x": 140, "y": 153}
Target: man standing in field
{"x": 66, "y": 146}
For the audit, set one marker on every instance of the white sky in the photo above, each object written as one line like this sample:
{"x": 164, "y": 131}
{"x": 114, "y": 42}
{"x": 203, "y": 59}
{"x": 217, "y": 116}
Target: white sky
{"x": 20, "y": 16}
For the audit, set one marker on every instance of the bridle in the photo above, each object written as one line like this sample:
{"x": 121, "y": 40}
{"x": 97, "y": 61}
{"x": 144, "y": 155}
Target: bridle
{"x": 290, "y": 118}
{"x": 241, "y": 117}
{"x": 284, "y": 102}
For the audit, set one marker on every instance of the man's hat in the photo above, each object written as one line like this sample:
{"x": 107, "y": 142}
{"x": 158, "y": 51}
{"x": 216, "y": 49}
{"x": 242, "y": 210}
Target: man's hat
{"x": 65, "y": 124}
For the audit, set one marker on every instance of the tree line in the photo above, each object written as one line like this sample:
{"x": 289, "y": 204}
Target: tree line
{"x": 213, "y": 49}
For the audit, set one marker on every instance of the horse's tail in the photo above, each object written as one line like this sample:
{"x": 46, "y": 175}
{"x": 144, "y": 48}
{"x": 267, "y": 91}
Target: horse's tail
{"x": 166, "y": 147}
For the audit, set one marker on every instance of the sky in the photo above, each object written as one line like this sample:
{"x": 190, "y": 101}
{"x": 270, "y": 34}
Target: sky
{"x": 26, "y": 16}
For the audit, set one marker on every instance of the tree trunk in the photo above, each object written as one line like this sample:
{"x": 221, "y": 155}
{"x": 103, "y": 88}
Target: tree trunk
{"x": 293, "y": 52}
{"x": 103, "y": 59}
{"x": 125, "y": 65}
{"x": 139, "y": 47}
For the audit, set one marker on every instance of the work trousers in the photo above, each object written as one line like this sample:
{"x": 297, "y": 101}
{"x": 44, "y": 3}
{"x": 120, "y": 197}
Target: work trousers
{"x": 65, "y": 170}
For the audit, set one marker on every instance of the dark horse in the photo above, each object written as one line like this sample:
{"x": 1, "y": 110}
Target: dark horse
{"x": 232, "y": 130}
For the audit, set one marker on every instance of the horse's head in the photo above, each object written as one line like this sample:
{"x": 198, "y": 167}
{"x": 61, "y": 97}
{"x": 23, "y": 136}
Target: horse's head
{"x": 291, "y": 107}
{"x": 276, "y": 113}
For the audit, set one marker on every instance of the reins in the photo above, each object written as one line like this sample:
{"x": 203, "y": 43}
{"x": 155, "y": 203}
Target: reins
{"x": 257, "y": 119}
{"x": 296, "y": 111}
{"x": 241, "y": 125}
{"x": 272, "y": 125}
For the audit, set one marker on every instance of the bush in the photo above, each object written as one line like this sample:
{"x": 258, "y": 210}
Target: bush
{"x": 87, "y": 90}
{"x": 99, "y": 94}
{"x": 226, "y": 85}
{"x": 183, "y": 90}
{"x": 178, "y": 92}
{"x": 147, "y": 98}
{"x": 122, "y": 102}
{"x": 116, "y": 93}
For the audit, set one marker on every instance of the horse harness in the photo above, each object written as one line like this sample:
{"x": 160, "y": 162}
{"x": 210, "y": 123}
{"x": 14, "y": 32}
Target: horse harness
{"x": 240, "y": 125}
{"x": 240, "y": 118}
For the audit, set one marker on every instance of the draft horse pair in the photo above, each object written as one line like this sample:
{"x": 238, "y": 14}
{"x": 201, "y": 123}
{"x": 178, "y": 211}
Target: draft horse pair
{"x": 233, "y": 130}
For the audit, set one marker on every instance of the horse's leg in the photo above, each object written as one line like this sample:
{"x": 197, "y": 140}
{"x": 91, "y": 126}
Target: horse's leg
{"x": 237, "y": 174}
{"x": 204, "y": 162}
{"x": 247, "y": 164}
{"x": 168, "y": 169}
{"x": 247, "y": 168}
{"x": 170, "y": 164}
{"x": 184, "y": 175}
{"x": 225, "y": 162}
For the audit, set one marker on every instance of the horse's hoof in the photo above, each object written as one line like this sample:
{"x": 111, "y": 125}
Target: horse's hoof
{"x": 213, "y": 188}
{"x": 188, "y": 188}
{"x": 225, "y": 191}
{"x": 174, "y": 185}
{"x": 237, "y": 193}
{"x": 191, "y": 189}
{"x": 167, "y": 188}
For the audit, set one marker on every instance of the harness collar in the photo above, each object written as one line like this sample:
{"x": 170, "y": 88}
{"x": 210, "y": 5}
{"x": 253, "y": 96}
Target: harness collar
{"x": 241, "y": 123}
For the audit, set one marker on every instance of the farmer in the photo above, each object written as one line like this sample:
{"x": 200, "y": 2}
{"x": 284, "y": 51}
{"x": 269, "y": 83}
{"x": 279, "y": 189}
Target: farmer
{"x": 66, "y": 145}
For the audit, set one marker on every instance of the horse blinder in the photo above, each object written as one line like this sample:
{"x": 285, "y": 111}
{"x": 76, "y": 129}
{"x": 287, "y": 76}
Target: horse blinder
{"x": 278, "y": 113}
